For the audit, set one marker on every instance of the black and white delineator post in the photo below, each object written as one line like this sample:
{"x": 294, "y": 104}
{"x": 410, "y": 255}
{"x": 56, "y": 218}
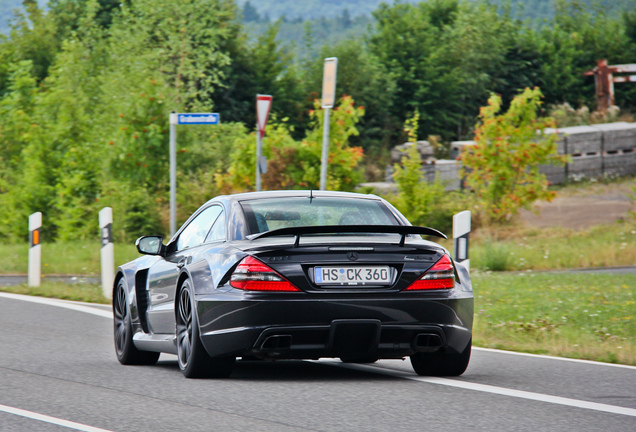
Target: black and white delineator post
{"x": 461, "y": 231}
{"x": 107, "y": 251}
{"x": 35, "y": 250}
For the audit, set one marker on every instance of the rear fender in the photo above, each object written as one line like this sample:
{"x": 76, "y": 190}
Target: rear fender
{"x": 464, "y": 276}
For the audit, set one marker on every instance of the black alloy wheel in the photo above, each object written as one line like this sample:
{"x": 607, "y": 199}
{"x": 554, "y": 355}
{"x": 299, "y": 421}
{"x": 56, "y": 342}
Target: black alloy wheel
{"x": 127, "y": 353}
{"x": 194, "y": 361}
{"x": 441, "y": 363}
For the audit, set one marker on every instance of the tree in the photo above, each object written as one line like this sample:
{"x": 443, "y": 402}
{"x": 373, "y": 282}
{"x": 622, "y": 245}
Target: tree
{"x": 33, "y": 37}
{"x": 250, "y": 14}
{"x": 503, "y": 166}
{"x": 579, "y": 36}
{"x": 445, "y": 57}
{"x": 265, "y": 67}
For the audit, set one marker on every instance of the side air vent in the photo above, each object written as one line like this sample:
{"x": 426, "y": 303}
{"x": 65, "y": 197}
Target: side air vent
{"x": 141, "y": 278}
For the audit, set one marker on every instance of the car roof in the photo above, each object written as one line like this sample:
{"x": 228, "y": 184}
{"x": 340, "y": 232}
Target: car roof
{"x": 290, "y": 193}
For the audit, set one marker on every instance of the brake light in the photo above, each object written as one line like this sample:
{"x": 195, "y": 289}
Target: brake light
{"x": 254, "y": 275}
{"x": 440, "y": 276}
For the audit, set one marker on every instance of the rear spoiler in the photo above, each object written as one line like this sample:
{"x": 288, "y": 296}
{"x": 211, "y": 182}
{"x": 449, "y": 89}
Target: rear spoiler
{"x": 403, "y": 230}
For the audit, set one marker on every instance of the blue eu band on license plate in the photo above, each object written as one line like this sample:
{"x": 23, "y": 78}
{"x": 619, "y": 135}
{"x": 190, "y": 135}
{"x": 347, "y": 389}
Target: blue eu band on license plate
{"x": 368, "y": 275}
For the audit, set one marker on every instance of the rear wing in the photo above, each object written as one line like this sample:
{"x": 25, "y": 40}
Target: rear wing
{"x": 403, "y": 230}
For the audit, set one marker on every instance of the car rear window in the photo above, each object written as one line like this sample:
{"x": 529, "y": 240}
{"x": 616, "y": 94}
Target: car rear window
{"x": 272, "y": 213}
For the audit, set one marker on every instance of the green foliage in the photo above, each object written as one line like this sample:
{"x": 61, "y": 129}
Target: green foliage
{"x": 447, "y": 57}
{"x": 262, "y": 66}
{"x": 296, "y": 164}
{"x": 422, "y": 202}
{"x": 494, "y": 256}
{"x": 86, "y": 88}
{"x": 503, "y": 167}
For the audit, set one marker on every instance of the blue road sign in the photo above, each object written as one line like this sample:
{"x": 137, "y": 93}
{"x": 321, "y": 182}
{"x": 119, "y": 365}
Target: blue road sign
{"x": 198, "y": 119}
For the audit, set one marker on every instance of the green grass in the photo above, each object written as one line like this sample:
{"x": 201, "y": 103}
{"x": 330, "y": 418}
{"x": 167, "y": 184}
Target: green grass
{"x": 78, "y": 257}
{"x": 84, "y": 292}
{"x": 577, "y": 315}
{"x": 554, "y": 248}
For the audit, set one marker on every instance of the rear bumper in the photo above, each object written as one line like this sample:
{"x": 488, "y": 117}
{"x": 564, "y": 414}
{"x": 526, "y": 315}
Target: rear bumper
{"x": 301, "y": 328}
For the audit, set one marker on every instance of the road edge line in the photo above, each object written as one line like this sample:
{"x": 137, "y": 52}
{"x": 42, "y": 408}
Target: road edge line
{"x": 502, "y": 391}
{"x": 543, "y": 356}
{"x": 48, "y": 419}
{"x": 59, "y": 303}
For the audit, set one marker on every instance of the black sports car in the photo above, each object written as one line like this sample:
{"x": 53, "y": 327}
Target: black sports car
{"x": 294, "y": 275}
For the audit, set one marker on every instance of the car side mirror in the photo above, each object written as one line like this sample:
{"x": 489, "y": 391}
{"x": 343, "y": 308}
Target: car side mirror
{"x": 150, "y": 245}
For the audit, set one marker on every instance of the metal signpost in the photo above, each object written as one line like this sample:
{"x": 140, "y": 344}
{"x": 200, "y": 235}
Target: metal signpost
{"x": 328, "y": 101}
{"x": 35, "y": 250}
{"x": 182, "y": 119}
{"x": 263, "y": 104}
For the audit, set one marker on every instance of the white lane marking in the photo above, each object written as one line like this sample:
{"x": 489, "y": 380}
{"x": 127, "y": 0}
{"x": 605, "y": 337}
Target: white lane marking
{"x": 49, "y": 419}
{"x": 59, "y": 303}
{"x": 541, "y": 356}
{"x": 503, "y": 391}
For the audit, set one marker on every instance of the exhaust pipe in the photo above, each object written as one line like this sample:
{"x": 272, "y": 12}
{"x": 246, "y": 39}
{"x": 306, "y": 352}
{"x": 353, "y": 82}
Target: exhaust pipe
{"x": 427, "y": 342}
{"x": 274, "y": 344}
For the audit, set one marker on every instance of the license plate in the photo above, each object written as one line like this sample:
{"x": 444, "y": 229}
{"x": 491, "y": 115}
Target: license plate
{"x": 369, "y": 275}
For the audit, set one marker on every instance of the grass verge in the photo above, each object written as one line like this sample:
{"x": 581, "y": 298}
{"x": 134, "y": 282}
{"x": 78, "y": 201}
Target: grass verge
{"x": 576, "y": 315}
{"x": 77, "y": 257}
{"x": 516, "y": 248}
{"x": 84, "y": 292}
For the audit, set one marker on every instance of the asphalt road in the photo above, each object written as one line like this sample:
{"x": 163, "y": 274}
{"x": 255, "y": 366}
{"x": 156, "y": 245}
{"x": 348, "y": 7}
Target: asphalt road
{"x": 57, "y": 366}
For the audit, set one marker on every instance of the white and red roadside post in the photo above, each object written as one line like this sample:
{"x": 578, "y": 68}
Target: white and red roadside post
{"x": 461, "y": 231}
{"x": 107, "y": 251}
{"x": 35, "y": 250}
{"x": 263, "y": 105}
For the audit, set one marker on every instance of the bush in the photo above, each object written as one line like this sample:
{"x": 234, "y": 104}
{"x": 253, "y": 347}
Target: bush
{"x": 503, "y": 166}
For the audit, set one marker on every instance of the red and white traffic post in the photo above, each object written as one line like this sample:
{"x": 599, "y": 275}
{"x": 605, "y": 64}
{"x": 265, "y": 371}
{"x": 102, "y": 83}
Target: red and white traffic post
{"x": 35, "y": 250}
{"x": 263, "y": 105}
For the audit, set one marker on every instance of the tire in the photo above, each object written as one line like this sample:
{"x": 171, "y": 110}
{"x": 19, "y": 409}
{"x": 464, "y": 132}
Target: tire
{"x": 441, "y": 363}
{"x": 194, "y": 361}
{"x": 127, "y": 353}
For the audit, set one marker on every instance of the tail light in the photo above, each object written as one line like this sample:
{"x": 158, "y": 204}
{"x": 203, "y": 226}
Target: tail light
{"x": 254, "y": 275}
{"x": 440, "y": 276}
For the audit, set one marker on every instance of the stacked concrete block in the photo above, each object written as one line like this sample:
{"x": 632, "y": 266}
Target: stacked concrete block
{"x": 561, "y": 139}
{"x": 457, "y": 147}
{"x": 556, "y": 174}
{"x": 584, "y": 145}
{"x": 595, "y": 151}
{"x": 619, "y": 148}
{"x": 423, "y": 147}
{"x": 446, "y": 170}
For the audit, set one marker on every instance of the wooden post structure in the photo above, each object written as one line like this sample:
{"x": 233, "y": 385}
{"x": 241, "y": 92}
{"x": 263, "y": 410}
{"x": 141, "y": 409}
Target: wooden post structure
{"x": 604, "y": 80}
